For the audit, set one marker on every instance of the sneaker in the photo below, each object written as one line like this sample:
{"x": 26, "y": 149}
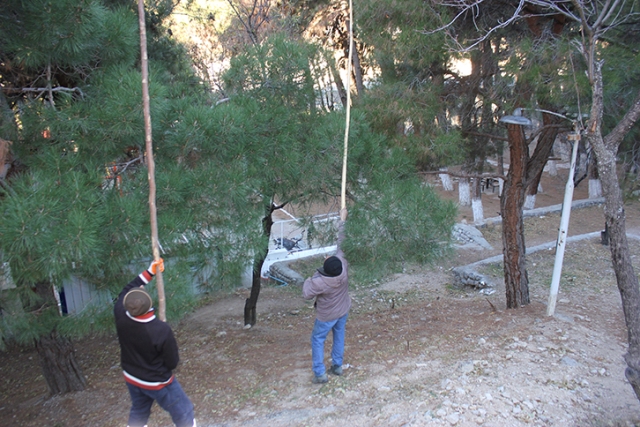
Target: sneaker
{"x": 336, "y": 370}
{"x": 320, "y": 379}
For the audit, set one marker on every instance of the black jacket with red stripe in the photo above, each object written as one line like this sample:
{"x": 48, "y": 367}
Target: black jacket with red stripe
{"x": 148, "y": 349}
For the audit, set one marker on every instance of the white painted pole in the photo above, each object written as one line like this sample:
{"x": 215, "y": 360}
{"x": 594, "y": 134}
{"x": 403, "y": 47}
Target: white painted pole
{"x": 564, "y": 227}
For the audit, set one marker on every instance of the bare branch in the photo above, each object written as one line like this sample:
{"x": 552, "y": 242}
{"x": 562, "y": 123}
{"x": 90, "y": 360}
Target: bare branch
{"x": 487, "y": 135}
{"x": 556, "y": 7}
{"x": 42, "y": 90}
{"x": 611, "y": 14}
{"x": 614, "y": 137}
{"x": 464, "y": 175}
{"x": 467, "y": 8}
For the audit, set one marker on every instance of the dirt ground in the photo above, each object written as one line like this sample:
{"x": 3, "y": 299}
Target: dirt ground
{"x": 420, "y": 352}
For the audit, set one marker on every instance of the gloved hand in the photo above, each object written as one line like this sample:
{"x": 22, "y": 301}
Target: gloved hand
{"x": 156, "y": 266}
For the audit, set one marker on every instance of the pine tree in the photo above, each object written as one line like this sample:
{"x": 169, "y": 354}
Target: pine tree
{"x": 74, "y": 202}
{"x": 296, "y": 151}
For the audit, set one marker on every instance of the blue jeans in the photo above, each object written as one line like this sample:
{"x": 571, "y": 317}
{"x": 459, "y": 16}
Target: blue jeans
{"x": 319, "y": 335}
{"x": 171, "y": 398}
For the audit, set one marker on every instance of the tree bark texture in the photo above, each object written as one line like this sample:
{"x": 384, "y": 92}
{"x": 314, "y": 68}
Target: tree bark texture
{"x": 250, "y": 305}
{"x": 511, "y": 201}
{"x": 529, "y": 202}
{"x": 618, "y": 245}
{"x": 595, "y": 186}
{"x": 523, "y": 171}
{"x": 464, "y": 192}
{"x": 605, "y": 151}
{"x": 476, "y": 202}
{"x": 447, "y": 182}
{"x": 355, "y": 61}
{"x": 478, "y": 210}
{"x": 533, "y": 188}
{"x": 342, "y": 92}
{"x": 59, "y": 366}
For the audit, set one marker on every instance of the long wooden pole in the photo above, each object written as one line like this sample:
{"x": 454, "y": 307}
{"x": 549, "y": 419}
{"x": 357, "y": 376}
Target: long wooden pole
{"x": 155, "y": 245}
{"x": 343, "y": 193}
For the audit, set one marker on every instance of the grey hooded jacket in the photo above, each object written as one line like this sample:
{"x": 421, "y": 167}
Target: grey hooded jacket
{"x": 331, "y": 293}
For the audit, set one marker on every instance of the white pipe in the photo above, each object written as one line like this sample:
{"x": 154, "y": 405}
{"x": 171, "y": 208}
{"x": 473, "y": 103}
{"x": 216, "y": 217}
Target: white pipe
{"x": 564, "y": 227}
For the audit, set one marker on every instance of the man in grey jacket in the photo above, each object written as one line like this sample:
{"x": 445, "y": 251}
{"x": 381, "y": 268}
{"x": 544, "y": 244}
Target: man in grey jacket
{"x": 330, "y": 287}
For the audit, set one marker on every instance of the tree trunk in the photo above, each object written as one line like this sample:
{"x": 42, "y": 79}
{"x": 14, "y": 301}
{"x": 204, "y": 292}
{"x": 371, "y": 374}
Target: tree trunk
{"x": 250, "y": 305}
{"x": 511, "y": 201}
{"x": 59, "y": 366}
{"x": 614, "y": 213}
{"x": 357, "y": 73}
{"x": 476, "y": 202}
{"x": 357, "y": 69}
{"x": 553, "y": 168}
{"x": 522, "y": 171}
{"x": 447, "y": 182}
{"x": 464, "y": 192}
{"x": 532, "y": 191}
{"x": 626, "y": 278}
{"x": 595, "y": 189}
{"x": 595, "y": 186}
{"x": 342, "y": 92}
{"x": 529, "y": 202}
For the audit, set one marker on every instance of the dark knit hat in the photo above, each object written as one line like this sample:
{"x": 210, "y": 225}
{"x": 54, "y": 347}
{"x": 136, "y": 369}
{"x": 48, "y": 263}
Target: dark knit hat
{"x": 137, "y": 302}
{"x": 332, "y": 267}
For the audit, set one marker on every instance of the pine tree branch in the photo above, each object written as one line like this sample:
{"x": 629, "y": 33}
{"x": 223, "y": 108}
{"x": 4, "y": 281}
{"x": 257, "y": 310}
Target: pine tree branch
{"x": 463, "y": 175}
{"x": 487, "y": 135}
{"x": 42, "y": 90}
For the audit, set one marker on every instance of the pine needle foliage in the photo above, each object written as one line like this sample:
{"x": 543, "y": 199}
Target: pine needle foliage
{"x": 75, "y": 204}
{"x": 78, "y": 205}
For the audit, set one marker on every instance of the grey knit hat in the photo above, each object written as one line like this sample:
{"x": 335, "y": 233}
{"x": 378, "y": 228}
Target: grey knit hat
{"x": 137, "y": 302}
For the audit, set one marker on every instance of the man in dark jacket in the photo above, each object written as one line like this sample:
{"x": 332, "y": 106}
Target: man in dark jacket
{"x": 330, "y": 287}
{"x": 148, "y": 355}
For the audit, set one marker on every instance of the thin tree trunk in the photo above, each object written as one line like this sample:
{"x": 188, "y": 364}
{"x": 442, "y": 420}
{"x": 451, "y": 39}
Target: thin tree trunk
{"x": 339, "y": 83}
{"x": 342, "y": 93}
{"x": 59, "y": 366}
{"x": 595, "y": 185}
{"x": 251, "y": 303}
{"x": 501, "y": 158}
{"x": 357, "y": 73}
{"x": 355, "y": 60}
{"x": 511, "y": 201}
{"x": 532, "y": 191}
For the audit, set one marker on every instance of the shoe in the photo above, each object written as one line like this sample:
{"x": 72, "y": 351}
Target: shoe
{"x": 320, "y": 379}
{"x": 336, "y": 370}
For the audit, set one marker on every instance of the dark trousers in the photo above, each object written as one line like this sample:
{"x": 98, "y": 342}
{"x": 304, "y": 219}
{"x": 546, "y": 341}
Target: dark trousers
{"x": 171, "y": 398}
